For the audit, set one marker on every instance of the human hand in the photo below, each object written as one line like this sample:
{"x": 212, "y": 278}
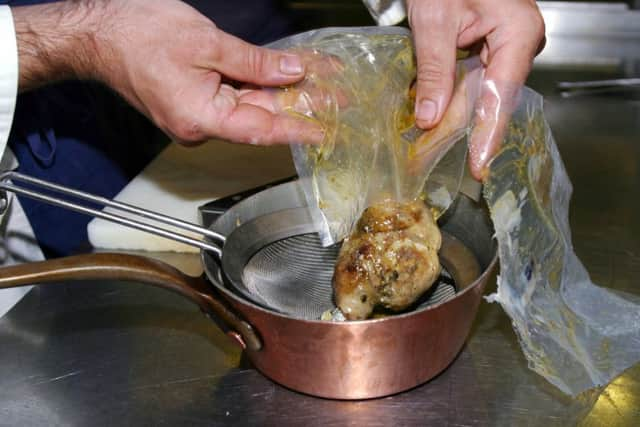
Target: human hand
{"x": 168, "y": 61}
{"x": 509, "y": 33}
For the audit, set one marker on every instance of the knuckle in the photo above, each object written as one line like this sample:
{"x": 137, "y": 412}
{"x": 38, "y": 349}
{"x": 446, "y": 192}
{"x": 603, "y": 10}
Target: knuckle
{"x": 428, "y": 14}
{"x": 187, "y": 131}
{"x": 524, "y": 25}
{"x": 539, "y": 26}
{"x": 213, "y": 43}
{"x": 531, "y": 19}
{"x": 255, "y": 61}
{"x": 534, "y": 22}
{"x": 430, "y": 73}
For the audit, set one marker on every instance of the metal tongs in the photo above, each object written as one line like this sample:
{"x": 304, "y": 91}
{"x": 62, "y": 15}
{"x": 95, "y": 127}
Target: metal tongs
{"x": 64, "y": 197}
{"x": 596, "y": 87}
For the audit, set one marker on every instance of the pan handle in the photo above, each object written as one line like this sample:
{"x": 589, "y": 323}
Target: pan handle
{"x": 134, "y": 216}
{"x": 114, "y": 266}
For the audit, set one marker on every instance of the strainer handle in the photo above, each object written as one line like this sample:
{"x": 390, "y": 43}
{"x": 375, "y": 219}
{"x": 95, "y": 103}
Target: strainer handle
{"x": 114, "y": 266}
{"x": 59, "y": 195}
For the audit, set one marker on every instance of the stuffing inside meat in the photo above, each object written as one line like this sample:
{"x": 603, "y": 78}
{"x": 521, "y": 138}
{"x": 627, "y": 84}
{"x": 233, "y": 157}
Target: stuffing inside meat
{"x": 389, "y": 261}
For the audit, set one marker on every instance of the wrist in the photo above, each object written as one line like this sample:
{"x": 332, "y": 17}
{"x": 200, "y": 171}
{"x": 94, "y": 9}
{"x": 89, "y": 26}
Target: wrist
{"x": 58, "y": 41}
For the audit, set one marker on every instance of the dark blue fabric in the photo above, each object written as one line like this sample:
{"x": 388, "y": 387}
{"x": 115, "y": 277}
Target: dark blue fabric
{"x": 257, "y": 21}
{"x": 82, "y": 135}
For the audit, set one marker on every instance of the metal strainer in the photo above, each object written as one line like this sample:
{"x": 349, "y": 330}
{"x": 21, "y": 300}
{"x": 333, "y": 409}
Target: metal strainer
{"x": 275, "y": 260}
{"x": 279, "y": 263}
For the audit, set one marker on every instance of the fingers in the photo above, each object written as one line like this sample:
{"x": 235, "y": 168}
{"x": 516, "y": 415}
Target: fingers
{"x": 493, "y": 112}
{"x": 509, "y": 61}
{"x": 435, "y": 37}
{"x": 245, "y": 62}
{"x": 245, "y": 116}
{"x": 254, "y": 125}
{"x": 431, "y": 145}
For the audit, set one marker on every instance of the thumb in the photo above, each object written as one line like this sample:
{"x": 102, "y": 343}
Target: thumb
{"x": 248, "y": 63}
{"x": 435, "y": 42}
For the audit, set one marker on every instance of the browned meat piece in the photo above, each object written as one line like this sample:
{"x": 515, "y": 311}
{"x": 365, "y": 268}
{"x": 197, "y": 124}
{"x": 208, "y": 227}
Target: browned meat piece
{"x": 389, "y": 260}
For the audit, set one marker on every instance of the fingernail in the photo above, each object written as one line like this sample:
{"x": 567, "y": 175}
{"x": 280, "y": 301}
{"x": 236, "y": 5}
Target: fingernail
{"x": 426, "y": 111}
{"x": 291, "y": 65}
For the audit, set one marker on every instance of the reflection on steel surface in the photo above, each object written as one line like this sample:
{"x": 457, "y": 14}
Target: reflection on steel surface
{"x": 580, "y": 33}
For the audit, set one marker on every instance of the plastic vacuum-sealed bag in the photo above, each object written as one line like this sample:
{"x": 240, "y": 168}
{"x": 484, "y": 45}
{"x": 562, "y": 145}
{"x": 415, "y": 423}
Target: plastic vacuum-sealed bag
{"x": 574, "y": 333}
{"x": 359, "y": 89}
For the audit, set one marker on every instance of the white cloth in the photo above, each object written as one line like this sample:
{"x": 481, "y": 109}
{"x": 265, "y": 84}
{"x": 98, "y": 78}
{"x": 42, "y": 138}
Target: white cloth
{"x": 17, "y": 241}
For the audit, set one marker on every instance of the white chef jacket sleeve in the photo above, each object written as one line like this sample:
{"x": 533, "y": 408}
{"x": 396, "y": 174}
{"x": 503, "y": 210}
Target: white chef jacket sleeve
{"x": 8, "y": 74}
{"x": 386, "y": 12}
{"x": 17, "y": 241}
{"x": 8, "y": 81}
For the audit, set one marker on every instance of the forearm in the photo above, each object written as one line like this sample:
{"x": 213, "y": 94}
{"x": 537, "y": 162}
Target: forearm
{"x": 58, "y": 41}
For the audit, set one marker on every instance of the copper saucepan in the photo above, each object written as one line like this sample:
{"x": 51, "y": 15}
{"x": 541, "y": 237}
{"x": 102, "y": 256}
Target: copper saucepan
{"x": 343, "y": 360}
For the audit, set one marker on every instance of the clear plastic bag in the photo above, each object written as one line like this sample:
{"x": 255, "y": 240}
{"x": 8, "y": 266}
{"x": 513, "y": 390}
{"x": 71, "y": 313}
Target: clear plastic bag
{"x": 574, "y": 333}
{"x": 359, "y": 89}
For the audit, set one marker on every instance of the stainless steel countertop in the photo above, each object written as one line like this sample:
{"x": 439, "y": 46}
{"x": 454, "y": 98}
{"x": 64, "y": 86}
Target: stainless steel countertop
{"x": 120, "y": 353}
